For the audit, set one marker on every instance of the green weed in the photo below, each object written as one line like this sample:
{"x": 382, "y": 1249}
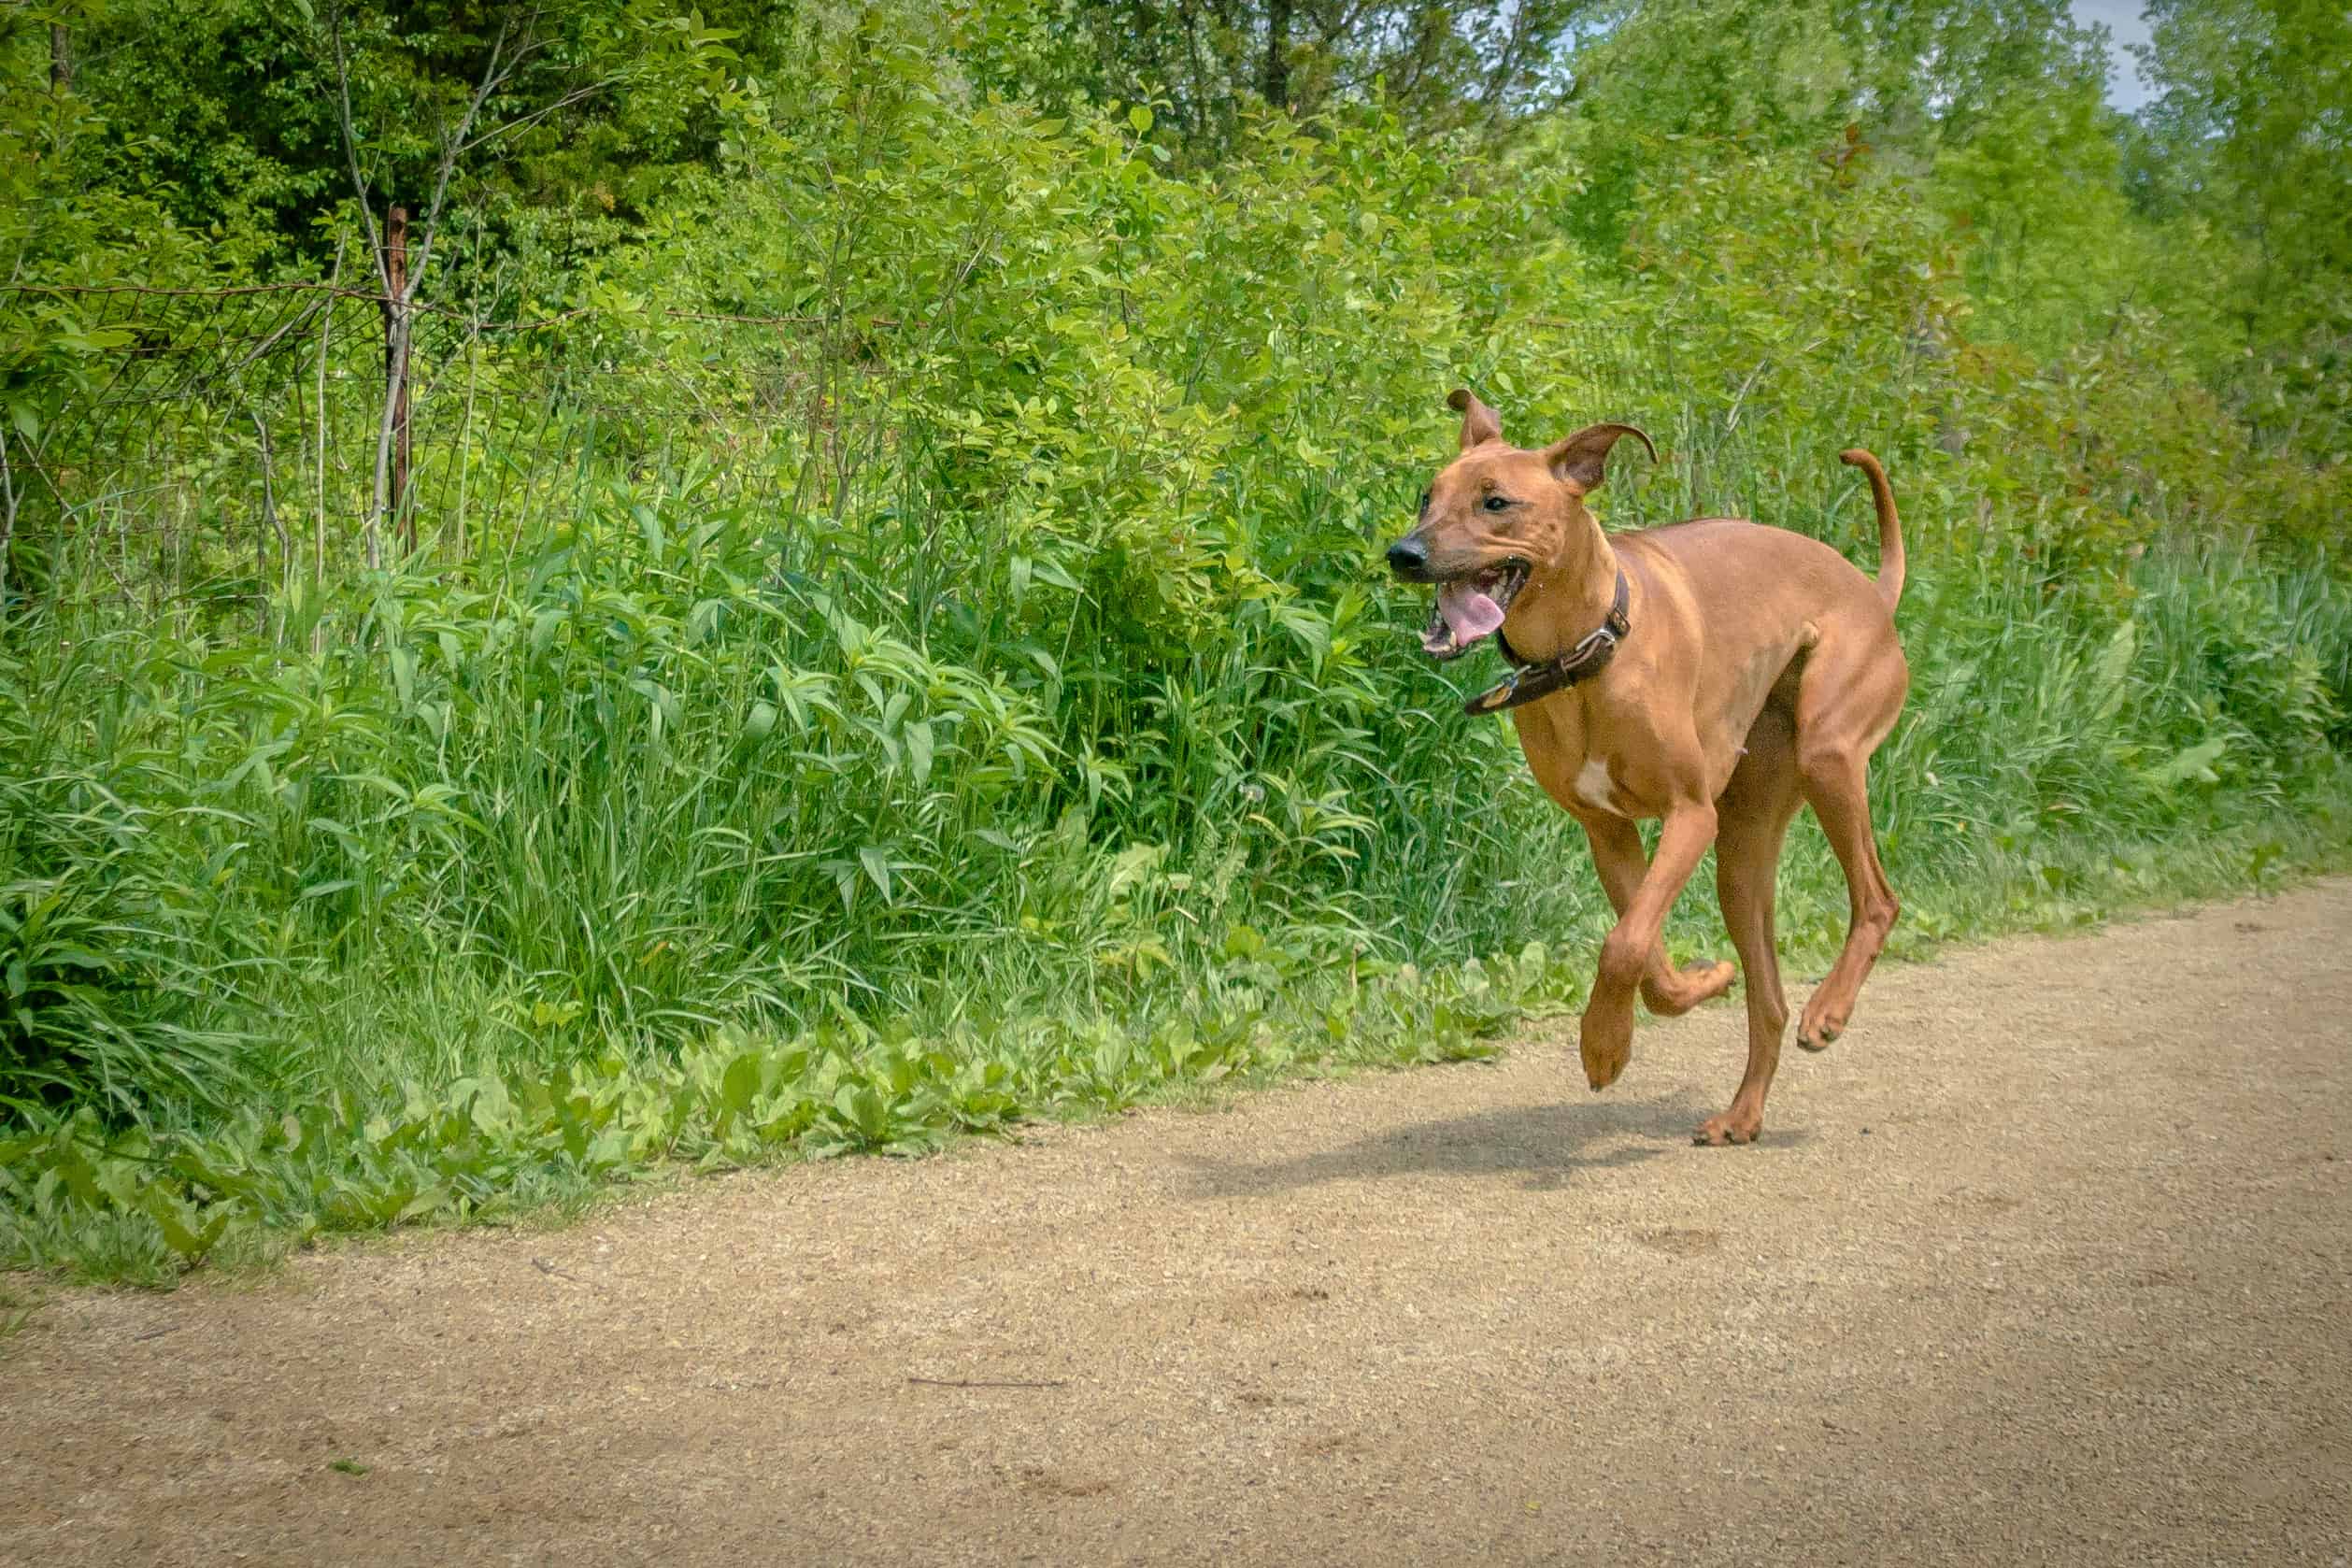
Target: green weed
{"x": 138, "y": 1207}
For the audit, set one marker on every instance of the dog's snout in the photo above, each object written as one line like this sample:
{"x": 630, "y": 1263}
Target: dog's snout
{"x": 1408, "y": 557}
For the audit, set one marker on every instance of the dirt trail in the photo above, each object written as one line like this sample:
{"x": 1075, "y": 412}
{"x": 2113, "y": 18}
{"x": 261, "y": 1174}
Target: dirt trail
{"x": 2047, "y": 1261}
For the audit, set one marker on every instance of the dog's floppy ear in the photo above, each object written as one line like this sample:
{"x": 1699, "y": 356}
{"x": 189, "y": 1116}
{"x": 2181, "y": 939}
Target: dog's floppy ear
{"x": 1479, "y": 423}
{"x": 1582, "y": 458}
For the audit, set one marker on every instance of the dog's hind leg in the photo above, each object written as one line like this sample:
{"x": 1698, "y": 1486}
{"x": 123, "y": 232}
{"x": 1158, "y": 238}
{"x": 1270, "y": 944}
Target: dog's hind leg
{"x": 1752, "y": 821}
{"x": 1847, "y": 702}
{"x": 1616, "y": 856}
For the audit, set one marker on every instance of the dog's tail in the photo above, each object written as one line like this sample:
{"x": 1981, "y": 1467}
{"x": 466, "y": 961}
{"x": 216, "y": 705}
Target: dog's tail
{"x": 1890, "y": 526}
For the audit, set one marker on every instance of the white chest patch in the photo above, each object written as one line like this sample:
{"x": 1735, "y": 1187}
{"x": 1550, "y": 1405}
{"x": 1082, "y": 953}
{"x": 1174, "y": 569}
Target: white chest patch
{"x": 1592, "y": 786}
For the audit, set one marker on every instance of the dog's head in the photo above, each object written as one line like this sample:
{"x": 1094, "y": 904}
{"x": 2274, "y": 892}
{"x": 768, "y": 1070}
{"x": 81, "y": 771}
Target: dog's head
{"x": 1495, "y": 516}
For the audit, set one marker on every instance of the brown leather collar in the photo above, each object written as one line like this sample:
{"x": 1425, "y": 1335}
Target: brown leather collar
{"x": 1583, "y": 662}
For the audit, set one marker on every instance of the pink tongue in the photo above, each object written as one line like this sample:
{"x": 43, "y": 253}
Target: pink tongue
{"x": 1470, "y": 614}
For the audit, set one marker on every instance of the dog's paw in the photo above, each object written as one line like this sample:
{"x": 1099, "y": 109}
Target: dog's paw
{"x": 1826, "y": 1012}
{"x": 1818, "y": 1034}
{"x": 1670, "y": 994}
{"x": 1605, "y": 1048}
{"x": 1730, "y": 1128}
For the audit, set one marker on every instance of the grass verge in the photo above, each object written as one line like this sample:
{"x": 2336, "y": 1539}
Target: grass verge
{"x": 140, "y": 1206}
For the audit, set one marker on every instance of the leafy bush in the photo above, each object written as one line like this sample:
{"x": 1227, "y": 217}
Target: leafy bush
{"x": 111, "y": 965}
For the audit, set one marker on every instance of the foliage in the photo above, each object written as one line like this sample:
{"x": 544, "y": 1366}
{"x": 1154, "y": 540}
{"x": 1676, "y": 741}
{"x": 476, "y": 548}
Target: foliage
{"x": 1913, "y": 81}
{"x": 134, "y": 1203}
{"x": 237, "y": 135}
{"x": 108, "y": 961}
{"x": 2251, "y": 133}
{"x": 1442, "y": 65}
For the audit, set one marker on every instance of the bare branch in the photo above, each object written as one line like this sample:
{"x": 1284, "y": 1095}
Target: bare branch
{"x": 7, "y": 519}
{"x": 576, "y": 96}
{"x": 454, "y": 147}
{"x": 318, "y": 520}
{"x": 352, "y": 147}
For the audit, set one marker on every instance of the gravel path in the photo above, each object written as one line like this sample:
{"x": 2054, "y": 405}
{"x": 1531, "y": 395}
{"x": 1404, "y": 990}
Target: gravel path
{"x": 2045, "y": 1261}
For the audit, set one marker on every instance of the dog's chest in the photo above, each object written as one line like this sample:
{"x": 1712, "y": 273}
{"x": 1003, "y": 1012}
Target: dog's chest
{"x": 1596, "y": 788}
{"x": 1560, "y": 749}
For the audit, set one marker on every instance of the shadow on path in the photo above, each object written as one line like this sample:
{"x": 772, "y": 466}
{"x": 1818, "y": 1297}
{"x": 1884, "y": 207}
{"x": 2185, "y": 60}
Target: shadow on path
{"x": 1546, "y": 1144}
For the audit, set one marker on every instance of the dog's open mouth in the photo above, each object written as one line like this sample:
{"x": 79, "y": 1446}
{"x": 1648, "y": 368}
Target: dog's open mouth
{"x": 1470, "y": 608}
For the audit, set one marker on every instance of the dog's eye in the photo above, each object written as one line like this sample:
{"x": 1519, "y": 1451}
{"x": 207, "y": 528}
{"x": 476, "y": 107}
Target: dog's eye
{"x": 1498, "y": 503}
{"x": 1424, "y": 508}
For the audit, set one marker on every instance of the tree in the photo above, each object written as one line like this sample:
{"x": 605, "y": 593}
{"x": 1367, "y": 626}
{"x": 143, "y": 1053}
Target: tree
{"x": 536, "y": 64}
{"x": 1917, "y": 77}
{"x": 1439, "y": 64}
{"x": 226, "y": 110}
{"x": 2251, "y": 129}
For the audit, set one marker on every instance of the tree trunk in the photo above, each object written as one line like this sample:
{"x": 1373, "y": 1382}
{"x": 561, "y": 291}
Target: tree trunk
{"x": 61, "y": 59}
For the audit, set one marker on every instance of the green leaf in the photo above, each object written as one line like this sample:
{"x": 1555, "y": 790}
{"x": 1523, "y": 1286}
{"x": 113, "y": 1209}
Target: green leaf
{"x": 918, "y": 751}
{"x": 740, "y": 1085}
{"x": 190, "y": 1241}
{"x": 878, "y": 868}
{"x": 404, "y": 669}
{"x": 2194, "y": 763}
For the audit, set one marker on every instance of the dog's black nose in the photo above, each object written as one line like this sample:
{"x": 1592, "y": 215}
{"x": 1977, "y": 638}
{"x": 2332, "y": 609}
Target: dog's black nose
{"x": 1408, "y": 557}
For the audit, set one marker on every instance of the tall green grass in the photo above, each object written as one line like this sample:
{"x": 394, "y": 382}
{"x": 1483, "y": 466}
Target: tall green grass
{"x": 628, "y": 844}
{"x": 637, "y": 785}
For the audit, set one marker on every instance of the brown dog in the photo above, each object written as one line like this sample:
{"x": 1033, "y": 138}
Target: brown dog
{"x": 1711, "y": 675}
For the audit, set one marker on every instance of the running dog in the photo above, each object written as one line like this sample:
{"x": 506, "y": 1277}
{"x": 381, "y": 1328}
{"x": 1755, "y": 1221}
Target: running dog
{"x": 1711, "y": 675}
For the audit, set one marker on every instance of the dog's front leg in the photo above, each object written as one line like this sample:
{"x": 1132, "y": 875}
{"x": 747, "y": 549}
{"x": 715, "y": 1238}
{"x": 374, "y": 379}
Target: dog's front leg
{"x": 1618, "y": 858}
{"x": 1606, "y": 1039}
